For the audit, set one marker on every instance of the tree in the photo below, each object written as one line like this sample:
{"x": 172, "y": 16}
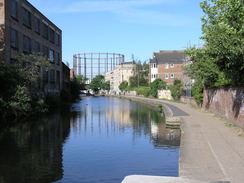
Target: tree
{"x": 156, "y": 85}
{"x": 19, "y": 86}
{"x": 176, "y": 89}
{"x": 96, "y": 83}
{"x": 223, "y": 33}
{"x": 123, "y": 85}
{"x": 106, "y": 85}
{"x": 81, "y": 80}
{"x": 141, "y": 76}
{"x": 220, "y": 62}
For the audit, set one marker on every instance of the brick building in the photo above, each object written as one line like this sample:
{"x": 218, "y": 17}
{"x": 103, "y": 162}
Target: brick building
{"x": 168, "y": 66}
{"x": 28, "y": 31}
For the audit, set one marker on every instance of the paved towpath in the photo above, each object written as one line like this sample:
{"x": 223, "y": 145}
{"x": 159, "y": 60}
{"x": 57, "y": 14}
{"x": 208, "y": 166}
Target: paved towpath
{"x": 210, "y": 151}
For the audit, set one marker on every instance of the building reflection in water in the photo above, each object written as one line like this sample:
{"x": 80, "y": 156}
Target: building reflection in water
{"x": 32, "y": 152}
{"x": 115, "y": 117}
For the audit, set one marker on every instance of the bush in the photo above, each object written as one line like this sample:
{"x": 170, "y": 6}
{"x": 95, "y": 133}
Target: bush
{"x": 123, "y": 86}
{"x": 156, "y": 85}
{"x": 197, "y": 91}
{"x": 176, "y": 89}
{"x": 20, "y": 104}
{"x": 145, "y": 91}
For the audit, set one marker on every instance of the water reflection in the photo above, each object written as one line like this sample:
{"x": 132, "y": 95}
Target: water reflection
{"x": 102, "y": 140}
{"x": 117, "y": 115}
{"x": 32, "y": 152}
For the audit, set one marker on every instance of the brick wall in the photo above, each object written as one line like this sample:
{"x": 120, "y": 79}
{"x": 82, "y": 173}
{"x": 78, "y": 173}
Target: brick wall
{"x": 227, "y": 102}
{"x": 177, "y": 70}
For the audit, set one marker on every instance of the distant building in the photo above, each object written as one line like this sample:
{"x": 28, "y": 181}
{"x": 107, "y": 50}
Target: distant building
{"x": 168, "y": 66}
{"x": 28, "y": 31}
{"x": 121, "y": 73}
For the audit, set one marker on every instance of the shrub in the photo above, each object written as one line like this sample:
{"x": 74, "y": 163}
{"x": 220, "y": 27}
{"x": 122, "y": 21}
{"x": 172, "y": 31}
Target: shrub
{"x": 197, "y": 91}
{"x": 156, "y": 85}
{"x": 123, "y": 85}
{"x": 145, "y": 91}
{"x": 176, "y": 89}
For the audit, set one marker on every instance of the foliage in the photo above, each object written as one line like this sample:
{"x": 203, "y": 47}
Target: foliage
{"x": 145, "y": 91}
{"x": 141, "y": 76}
{"x": 176, "y": 89}
{"x": 156, "y": 85}
{"x": 97, "y": 83}
{"x": 19, "y": 94}
{"x": 106, "y": 85}
{"x": 123, "y": 85}
{"x": 220, "y": 62}
{"x": 76, "y": 85}
{"x": 81, "y": 80}
{"x": 223, "y": 33}
{"x": 197, "y": 92}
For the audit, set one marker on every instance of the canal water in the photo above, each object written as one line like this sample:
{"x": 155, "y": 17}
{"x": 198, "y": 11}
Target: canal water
{"x": 101, "y": 140}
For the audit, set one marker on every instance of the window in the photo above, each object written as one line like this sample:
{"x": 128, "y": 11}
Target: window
{"x": 45, "y": 31}
{"x": 14, "y": 42}
{"x": 172, "y": 76}
{"x": 37, "y": 47}
{"x": 37, "y": 26}
{"x": 166, "y": 76}
{"x": 52, "y": 76}
{"x": 172, "y": 65}
{"x": 58, "y": 79}
{"x": 154, "y": 65}
{"x": 26, "y": 18}
{"x": 45, "y": 51}
{"x": 166, "y": 66}
{"x": 45, "y": 76}
{"x": 154, "y": 76}
{"x": 26, "y": 44}
{"x": 57, "y": 39}
{"x": 51, "y": 35}
{"x": 57, "y": 58}
{"x": 14, "y": 9}
{"x": 51, "y": 55}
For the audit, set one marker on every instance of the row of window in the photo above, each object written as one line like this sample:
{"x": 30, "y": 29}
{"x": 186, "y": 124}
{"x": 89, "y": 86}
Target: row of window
{"x": 166, "y": 76}
{"x": 28, "y": 47}
{"x": 52, "y": 76}
{"x": 39, "y": 27}
{"x": 154, "y": 65}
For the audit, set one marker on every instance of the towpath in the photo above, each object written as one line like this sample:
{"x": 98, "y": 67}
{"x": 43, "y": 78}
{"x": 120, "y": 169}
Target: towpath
{"x": 210, "y": 151}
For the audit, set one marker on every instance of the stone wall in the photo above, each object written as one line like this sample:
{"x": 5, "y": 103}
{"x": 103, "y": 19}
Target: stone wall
{"x": 227, "y": 102}
{"x": 164, "y": 94}
{"x": 188, "y": 100}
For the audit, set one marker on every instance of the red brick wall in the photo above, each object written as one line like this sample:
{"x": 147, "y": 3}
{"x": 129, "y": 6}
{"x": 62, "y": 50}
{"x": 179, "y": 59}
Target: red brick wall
{"x": 228, "y": 103}
{"x": 177, "y": 70}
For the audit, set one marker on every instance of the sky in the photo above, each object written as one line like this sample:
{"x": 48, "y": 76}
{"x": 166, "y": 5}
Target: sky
{"x": 138, "y": 27}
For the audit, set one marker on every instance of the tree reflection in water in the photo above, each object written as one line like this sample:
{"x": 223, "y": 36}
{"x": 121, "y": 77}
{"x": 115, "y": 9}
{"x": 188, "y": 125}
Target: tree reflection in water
{"x": 32, "y": 152}
{"x": 108, "y": 136}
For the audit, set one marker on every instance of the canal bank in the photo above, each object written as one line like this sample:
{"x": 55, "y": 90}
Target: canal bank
{"x": 210, "y": 151}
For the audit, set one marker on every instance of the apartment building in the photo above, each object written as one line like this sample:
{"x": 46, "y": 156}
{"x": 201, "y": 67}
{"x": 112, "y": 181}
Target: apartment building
{"x": 122, "y": 72}
{"x": 28, "y": 31}
{"x": 168, "y": 66}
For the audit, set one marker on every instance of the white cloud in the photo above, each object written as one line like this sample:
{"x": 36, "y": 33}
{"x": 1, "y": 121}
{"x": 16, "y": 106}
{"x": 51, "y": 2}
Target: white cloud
{"x": 133, "y": 11}
{"x": 112, "y": 5}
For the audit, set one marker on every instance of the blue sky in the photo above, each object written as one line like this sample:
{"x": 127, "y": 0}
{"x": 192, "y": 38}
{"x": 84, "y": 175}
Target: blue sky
{"x": 138, "y": 27}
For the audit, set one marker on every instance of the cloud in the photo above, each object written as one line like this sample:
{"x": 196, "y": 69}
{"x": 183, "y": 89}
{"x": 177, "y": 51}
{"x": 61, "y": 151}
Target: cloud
{"x": 112, "y": 5}
{"x": 132, "y": 11}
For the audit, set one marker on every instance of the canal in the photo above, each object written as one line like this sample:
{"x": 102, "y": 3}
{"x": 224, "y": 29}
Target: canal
{"x": 101, "y": 139}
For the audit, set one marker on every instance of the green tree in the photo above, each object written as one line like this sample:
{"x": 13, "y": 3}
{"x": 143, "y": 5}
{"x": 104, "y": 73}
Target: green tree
{"x": 123, "y": 85}
{"x": 106, "y": 85}
{"x": 176, "y": 89}
{"x": 81, "y": 80}
{"x": 223, "y": 33}
{"x": 156, "y": 85}
{"x": 96, "y": 83}
{"x": 220, "y": 62}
